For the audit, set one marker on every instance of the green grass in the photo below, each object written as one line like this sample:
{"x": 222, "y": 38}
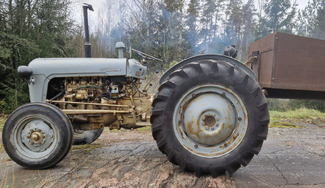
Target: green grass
{"x": 280, "y": 123}
{"x": 295, "y": 118}
{"x": 140, "y": 130}
{"x": 144, "y": 129}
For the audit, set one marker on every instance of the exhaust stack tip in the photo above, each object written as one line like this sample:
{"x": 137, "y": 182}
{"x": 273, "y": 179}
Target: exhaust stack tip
{"x": 89, "y": 6}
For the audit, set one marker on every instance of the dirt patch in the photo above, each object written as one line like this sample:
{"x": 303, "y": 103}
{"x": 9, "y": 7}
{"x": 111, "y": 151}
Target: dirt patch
{"x": 128, "y": 158}
{"x": 290, "y": 157}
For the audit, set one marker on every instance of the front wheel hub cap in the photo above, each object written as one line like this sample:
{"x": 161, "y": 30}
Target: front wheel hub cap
{"x": 36, "y": 135}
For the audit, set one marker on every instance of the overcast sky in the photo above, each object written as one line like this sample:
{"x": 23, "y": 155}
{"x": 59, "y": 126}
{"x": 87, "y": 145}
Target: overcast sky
{"x": 301, "y": 3}
{"x": 98, "y": 7}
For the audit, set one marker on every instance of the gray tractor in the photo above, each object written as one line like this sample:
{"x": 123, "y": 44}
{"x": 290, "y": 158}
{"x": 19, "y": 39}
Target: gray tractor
{"x": 209, "y": 115}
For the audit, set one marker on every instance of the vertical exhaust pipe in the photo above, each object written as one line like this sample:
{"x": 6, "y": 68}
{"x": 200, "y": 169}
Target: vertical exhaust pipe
{"x": 87, "y": 43}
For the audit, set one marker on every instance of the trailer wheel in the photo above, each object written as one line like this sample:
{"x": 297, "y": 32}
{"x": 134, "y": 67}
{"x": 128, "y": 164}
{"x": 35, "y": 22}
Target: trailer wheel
{"x": 37, "y": 135}
{"x": 210, "y": 117}
{"x": 81, "y": 137}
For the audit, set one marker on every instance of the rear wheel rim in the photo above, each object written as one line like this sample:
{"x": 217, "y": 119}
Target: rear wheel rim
{"x": 210, "y": 121}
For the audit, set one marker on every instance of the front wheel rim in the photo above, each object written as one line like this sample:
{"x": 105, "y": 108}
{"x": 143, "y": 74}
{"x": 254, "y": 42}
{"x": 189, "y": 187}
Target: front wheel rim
{"x": 210, "y": 121}
{"x": 35, "y": 137}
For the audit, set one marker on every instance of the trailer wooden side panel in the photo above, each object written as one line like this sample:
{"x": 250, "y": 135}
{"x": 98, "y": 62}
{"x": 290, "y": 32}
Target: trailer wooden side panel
{"x": 290, "y": 62}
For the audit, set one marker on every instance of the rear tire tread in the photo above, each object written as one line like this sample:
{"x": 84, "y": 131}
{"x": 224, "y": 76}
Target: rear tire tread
{"x": 219, "y": 69}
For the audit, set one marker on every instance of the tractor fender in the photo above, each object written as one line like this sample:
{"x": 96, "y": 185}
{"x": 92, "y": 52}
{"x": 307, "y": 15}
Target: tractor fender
{"x": 230, "y": 60}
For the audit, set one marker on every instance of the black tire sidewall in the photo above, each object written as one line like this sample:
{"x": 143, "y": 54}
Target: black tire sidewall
{"x": 87, "y": 137}
{"x": 228, "y": 81}
{"x": 60, "y": 122}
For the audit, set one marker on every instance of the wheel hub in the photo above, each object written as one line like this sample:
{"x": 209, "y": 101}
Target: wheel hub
{"x": 210, "y": 120}
{"x": 37, "y": 135}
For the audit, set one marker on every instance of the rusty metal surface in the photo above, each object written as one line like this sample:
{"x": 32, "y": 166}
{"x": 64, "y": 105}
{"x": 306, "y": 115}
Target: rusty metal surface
{"x": 86, "y": 103}
{"x": 216, "y": 120}
{"x": 73, "y": 112}
{"x": 290, "y": 62}
{"x": 87, "y": 106}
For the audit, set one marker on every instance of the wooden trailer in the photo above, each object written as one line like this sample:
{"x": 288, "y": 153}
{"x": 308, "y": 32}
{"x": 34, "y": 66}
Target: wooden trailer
{"x": 290, "y": 66}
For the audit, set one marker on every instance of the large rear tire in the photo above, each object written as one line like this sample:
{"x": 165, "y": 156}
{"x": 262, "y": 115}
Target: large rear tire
{"x": 37, "y": 135}
{"x": 210, "y": 117}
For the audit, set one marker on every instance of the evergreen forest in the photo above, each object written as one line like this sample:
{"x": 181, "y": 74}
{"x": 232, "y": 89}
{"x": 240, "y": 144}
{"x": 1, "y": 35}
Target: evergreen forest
{"x": 171, "y": 30}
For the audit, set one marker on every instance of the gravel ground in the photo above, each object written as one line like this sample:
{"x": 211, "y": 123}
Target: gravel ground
{"x": 289, "y": 158}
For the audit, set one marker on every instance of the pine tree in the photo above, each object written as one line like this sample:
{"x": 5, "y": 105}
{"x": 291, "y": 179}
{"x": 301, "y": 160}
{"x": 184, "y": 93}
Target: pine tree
{"x": 29, "y": 29}
{"x": 2, "y": 17}
{"x": 234, "y": 20}
{"x": 191, "y": 23}
{"x": 319, "y": 24}
{"x": 248, "y": 25}
{"x": 311, "y": 20}
{"x": 306, "y": 19}
{"x": 210, "y": 18}
{"x": 158, "y": 29}
{"x": 278, "y": 17}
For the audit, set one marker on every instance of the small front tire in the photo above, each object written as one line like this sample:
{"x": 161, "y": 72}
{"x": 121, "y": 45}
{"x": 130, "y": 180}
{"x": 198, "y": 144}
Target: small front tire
{"x": 37, "y": 135}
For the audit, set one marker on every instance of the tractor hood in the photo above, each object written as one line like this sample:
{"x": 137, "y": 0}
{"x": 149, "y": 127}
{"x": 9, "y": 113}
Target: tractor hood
{"x": 70, "y": 67}
{"x": 40, "y": 71}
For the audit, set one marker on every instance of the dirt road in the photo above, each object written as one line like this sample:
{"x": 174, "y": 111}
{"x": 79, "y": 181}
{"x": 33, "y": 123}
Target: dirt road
{"x": 290, "y": 157}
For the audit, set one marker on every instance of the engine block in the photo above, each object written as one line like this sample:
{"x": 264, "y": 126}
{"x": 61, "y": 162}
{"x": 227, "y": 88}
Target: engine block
{"x": 83, "y": 89}
{"x": 94, "y": 102}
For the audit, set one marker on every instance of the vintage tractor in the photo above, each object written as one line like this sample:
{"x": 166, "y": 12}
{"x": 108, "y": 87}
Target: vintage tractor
{"x": 209, "y": 115}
